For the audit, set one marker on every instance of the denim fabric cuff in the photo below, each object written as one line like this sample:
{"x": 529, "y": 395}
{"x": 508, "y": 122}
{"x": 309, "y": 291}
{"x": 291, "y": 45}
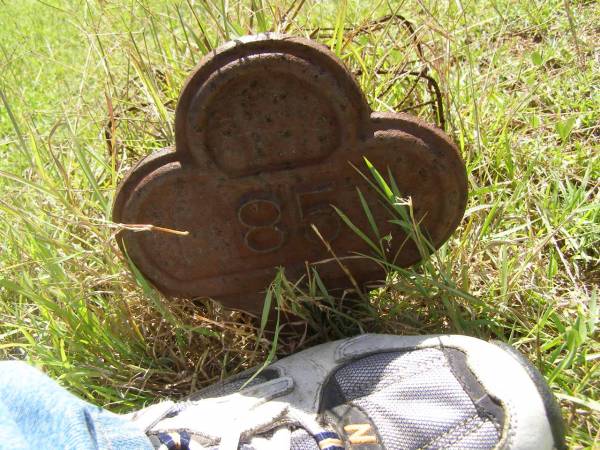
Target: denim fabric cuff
{"x": 115, "y": 432}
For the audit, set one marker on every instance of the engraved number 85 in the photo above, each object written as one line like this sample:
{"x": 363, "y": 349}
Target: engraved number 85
{"x": 262, "y": 216}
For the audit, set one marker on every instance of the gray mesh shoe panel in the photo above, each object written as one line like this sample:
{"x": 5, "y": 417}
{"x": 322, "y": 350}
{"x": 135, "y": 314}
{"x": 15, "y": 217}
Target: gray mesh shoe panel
{"x": 484, "y": 435}
{"x": 301, "y": 440}
{"x": 415, "y": 401}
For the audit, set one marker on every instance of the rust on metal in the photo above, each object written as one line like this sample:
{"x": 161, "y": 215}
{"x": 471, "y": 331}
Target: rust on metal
{"x": 267, "y": 131}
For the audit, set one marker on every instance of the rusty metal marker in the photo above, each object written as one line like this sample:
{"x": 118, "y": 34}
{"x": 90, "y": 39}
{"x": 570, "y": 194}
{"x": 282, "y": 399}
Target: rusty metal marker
{"x": 267, "y": 128}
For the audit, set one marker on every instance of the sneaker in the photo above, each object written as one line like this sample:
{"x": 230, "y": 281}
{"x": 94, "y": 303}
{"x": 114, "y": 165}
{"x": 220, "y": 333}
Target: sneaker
{"x": 370, "y": 392}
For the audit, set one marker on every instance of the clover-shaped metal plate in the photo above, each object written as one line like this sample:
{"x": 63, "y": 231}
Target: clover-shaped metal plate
{"x": 268, "y": 129}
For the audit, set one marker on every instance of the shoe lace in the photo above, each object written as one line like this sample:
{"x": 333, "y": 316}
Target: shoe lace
{"x": 265, "y": 427}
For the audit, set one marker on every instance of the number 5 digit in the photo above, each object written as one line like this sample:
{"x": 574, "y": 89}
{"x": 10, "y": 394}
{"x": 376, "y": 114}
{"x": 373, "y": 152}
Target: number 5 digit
{"x": 315, "y": 210}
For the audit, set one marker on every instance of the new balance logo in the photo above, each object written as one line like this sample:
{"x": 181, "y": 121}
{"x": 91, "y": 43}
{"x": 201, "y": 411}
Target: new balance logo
{"x": 360, "y": 433}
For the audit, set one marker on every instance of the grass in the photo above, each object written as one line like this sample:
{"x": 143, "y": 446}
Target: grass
{"x": 86, "y": 89}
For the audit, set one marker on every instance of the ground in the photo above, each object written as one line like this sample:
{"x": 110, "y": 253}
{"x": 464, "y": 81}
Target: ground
{"x": 87, "y": 90}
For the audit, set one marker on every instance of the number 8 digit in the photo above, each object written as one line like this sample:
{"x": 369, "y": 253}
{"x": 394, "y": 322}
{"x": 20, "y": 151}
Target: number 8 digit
{"x": 261, "y": 216}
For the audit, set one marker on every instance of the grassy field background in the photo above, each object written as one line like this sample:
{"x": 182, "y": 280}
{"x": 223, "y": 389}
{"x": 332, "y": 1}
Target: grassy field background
{"x": 88, "y": 88}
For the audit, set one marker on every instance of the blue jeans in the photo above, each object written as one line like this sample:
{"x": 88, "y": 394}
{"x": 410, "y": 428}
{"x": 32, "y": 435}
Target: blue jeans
{"x": 36, "y": 413}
